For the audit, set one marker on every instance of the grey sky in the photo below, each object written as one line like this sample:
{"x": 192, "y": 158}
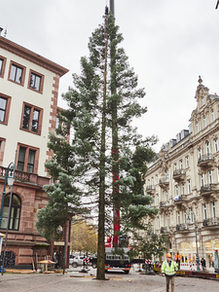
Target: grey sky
{"x": 168, "y": 42}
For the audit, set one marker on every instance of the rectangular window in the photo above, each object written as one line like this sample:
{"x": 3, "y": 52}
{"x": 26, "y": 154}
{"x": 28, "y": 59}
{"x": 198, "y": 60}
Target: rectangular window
{"x": 36, "y": 81}
{"x": 187, "y": 161}
{"x": 213, "y": 210}
{"x": 2, "y": 66}
{"x": 4, "y": 108}
{"x": 31, "y": 118}
{"x": 181, "y": 164}
{"x": 178, "y": 217}
{"x": 205, "y": 211}
{"x": 204, "y": 121}
{"x": 216, "y": 147}
{"x": 16, "y": 73}
{"x": 210, "y": 177}
{"x": 202, "y": 180}
{"x": 189, "y": 186}
{"x": 197, "y": 127}
{"x": 212, "y": 116}
{"x": 27, "y": 157}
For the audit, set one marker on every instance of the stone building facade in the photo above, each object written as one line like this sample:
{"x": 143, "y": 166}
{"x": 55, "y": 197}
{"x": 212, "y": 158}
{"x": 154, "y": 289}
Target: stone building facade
{"x": 28, "y": 111}
{"x": 184, "y": 182}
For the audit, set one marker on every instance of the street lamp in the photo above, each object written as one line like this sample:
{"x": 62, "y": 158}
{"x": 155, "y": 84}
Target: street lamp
{"x": 196, "y": 237}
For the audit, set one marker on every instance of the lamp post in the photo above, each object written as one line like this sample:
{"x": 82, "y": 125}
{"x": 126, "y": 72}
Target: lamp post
{"x": 196, "y": 238}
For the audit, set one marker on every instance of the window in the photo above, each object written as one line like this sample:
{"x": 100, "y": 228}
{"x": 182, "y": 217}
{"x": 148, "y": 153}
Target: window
{"x": 4, "y": 108}
{"x": 31, "y": 118}
{"x": 216, "y": 147}
{"x": 183, "y": 189}
{"x": 14, "y": 216}
{"x": 213, "y": 210}
{"x": 166, "y": 196}
{"x": 189, "y": 186}
{"x": 178, "y": 217}
{"x": 177, "y": 191}
{"x": 36, "y": 81}
{"x": 199, "y": 153}
{"x": 204, "y": 121}
{"x": 212, "y": 116}
{"x": 202, "y": 100}
{"x": 174, "y": 166}
{"x": 207, "y": 147}
{"x": 187, "y": 161}
{"x": 197, "y": 127}
{"x": 16, "y": 73}
{"x": 205, "y": 211}
{"x": 210, "y": 177}
{"x": 181, "y": 164}
{"x": 27, "y": 157}
{"x": 202, "y": 180}
{"x": 2, "y": 66}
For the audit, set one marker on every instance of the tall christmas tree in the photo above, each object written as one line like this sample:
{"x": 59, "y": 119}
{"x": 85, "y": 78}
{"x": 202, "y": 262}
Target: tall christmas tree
{"x": 105, "y": 159}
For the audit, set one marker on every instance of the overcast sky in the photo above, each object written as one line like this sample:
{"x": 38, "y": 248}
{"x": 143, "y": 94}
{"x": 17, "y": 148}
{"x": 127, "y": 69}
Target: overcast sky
{"x": 168, "y": 42}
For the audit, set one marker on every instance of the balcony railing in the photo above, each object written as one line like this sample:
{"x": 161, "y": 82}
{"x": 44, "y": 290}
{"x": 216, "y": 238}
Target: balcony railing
{"x": 182, "y": 227}
{"x": 211, "y": 222}
{"x": 209, "y": 189}
{"x": 150, "y": 189}
{"x": 179, "y": 199}
{"x": 25, "y": 177}
{"x": 164, "y": 182}
{"x": 164, "y": 229}
{"x": 206, "y": 160}
{"x": 179, "y": 174}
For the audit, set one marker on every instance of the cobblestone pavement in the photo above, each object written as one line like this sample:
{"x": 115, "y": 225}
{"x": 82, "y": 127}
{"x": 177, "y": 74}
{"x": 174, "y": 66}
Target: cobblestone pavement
{"x": 74, "y": 281}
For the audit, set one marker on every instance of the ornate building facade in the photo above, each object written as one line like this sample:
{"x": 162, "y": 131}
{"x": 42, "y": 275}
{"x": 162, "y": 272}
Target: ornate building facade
{"x": 184, "y": 182}
{"x": 28, "y": 111}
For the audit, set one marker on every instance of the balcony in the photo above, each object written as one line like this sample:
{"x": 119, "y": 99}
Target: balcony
{"x": 25, "y": 177}
{"x": 182, "y": 227}
{"x": 164, "y": 230}
{"x": 179, "y": 199}
{"x": 150, "y": 189}
{"x": 164, "y": 182}
{"x": 211, "y": 222}
{"x": 179, "y": 175}
{"x": 206, "y": 161}
{"x": 163, "y": 205}
{"x": 208, "y": 189}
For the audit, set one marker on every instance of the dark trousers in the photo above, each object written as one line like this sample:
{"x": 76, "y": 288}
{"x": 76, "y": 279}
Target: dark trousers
{"x": 168, "y": 281}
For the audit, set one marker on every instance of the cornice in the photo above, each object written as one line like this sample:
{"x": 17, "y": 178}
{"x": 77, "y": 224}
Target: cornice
{"x": 31, "y": 56}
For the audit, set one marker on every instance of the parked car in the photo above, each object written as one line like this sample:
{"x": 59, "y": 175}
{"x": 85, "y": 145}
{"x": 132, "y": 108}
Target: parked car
{"x": 76, "y": 261}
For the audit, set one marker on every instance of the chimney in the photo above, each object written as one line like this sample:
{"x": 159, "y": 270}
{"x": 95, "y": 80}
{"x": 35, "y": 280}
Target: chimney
{"x": 1, "y": 29}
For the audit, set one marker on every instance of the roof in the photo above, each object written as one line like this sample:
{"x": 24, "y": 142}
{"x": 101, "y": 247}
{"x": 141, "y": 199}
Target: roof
{"x": 31, "y": 56}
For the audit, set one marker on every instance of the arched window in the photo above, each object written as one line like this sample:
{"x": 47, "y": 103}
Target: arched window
{"x": 14, "y": 214}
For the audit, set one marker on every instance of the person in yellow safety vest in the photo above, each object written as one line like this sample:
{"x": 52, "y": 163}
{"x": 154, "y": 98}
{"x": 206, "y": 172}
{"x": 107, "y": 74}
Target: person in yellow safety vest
{"x": 168, "y": 269}
{"x": 178, "y": 258}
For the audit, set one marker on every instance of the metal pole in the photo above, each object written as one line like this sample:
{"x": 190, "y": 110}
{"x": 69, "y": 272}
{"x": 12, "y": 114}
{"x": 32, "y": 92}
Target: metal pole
{"x": 196, "y": 243}
{"x": 9, "y": 216}
{"x": 112, "y": 7}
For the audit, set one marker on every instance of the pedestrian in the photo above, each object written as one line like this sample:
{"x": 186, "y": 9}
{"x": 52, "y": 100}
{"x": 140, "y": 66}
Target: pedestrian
{"x": 203, "y": 263}
{"x": 56, "y": 259}
{"x": 168, "y": 269}
{"x": 178, "y": 259}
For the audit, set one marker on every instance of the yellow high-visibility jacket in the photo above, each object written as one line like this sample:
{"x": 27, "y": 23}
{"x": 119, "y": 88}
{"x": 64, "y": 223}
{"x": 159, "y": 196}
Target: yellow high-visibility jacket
{"x": 169, "y": 270}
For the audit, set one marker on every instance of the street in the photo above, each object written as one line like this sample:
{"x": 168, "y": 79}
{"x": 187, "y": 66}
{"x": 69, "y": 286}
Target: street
{"x": 75, "y": 281}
